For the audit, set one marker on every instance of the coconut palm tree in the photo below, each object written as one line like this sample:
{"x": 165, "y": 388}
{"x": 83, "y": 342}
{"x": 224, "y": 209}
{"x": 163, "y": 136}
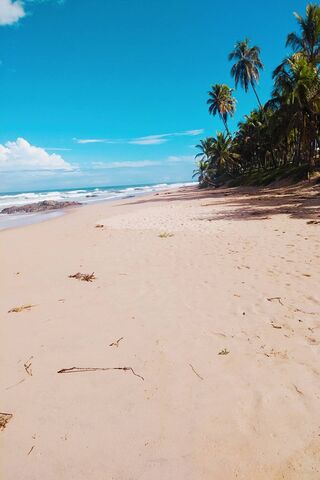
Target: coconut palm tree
{"x": 222, "y": 156}
{"x": 308, "y": 40}
{"x": 222, "y": 102}
{"x": 284, "y": 134}
{"x": 205, "y": 149}
{"x": 246, "y": 70}
{"x": 203, "y": 170}
{"x": 297, "y": 92}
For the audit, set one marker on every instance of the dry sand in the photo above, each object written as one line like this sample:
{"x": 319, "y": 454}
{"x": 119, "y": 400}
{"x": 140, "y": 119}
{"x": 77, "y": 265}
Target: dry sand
{"x": 239, "y": 275}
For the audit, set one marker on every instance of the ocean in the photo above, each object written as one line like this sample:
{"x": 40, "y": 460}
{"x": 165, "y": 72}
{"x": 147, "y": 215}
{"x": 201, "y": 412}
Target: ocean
{"x": 84, "y": 195}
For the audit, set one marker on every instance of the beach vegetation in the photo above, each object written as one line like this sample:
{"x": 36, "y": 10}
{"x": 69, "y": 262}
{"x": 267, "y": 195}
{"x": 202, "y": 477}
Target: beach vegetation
{"x": 281, "y": 137}
{"x": 221, "y": 102}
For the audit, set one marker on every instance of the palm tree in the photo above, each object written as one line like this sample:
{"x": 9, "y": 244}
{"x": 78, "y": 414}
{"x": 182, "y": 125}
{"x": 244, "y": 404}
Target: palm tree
{"x": 247, "y": 68}
{"x": 222, "y": 157}
{"x": 205, "y": 149}
{"x": 297, "y": 92}
{"x": 308, "y": 41}
{"x": 254, "y": 141}
{"x": 296, "y": 80}
{"x": 203, "y": 170}
{"x": 282, "y": 135}
{"x": 222, "y": 102}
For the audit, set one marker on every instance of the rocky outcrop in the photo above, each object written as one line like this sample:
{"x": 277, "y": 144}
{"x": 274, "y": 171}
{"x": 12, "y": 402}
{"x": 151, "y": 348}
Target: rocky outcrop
{"x": 44, "y": 206}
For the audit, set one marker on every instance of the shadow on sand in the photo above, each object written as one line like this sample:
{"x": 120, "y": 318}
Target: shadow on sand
{"x": 250, "y": 203}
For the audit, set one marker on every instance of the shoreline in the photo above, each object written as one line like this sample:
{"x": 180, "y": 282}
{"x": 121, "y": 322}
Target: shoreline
{"x": 201, "y": 320}
{"x": 25, "y": 219}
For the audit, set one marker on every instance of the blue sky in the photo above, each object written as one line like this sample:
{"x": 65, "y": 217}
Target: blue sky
{"x": 109, "y": 92}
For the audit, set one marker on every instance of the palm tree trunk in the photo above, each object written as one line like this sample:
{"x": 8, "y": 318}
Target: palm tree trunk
{"x": 225, "y": 124}
{"x": 256, "y": 94}
{"x": 265, "y": 117}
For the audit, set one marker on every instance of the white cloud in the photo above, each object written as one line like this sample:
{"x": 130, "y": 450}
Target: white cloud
{"x": 57, "y": 149}
{"x": 20, "y": 155}
{"x": 150, "y": 140}
{"x": 10, "y": 12}
{"x": 172, "y": 159}
{"x": 127, "y": 164}
{"x": 180, "y": 158}
{"x": 84, "y": 141}
{"x": 147, "y": 140}
{"x": 190, "y": 133}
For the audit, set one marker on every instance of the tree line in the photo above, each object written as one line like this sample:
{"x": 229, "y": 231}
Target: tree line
{"x": 283, "y": 132}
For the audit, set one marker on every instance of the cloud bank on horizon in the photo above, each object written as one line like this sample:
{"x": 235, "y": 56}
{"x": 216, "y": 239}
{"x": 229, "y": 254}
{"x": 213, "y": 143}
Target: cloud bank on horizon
{"x": 25, "y": 167}
{"x": 23, "y": 156}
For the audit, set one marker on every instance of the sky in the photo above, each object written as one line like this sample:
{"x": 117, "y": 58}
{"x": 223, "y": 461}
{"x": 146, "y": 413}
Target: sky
{"x": 113, "y": 92}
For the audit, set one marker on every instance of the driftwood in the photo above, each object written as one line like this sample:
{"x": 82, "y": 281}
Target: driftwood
{"x": 276, "y": 326}
{"x": 98, "y": 369}
{"x": 275, "y": 298}
{"x": 84, "y": 277}
{"x": 116, "y": 344}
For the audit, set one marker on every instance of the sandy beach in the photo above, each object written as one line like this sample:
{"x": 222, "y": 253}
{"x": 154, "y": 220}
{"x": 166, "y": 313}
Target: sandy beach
{"x": 202, "y": 320}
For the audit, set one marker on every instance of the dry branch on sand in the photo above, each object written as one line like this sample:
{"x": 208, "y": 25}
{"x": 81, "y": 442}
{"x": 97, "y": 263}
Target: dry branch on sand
{"x": 4, "y": 419}
{"x": 31, "y": 449}
{"x": 99, "y": 225}
{"x": 194, "y": 371}
{"x": 224, "y": 352}
{"x": 116, "y": 343}
{"x": 276, "y": 326}
{"x": 84, "y": 277}
{"x": 27, "y": 366}
{"x": 20, "y": 309}
{"x": 275, "y": 298}
{"x": 98, "y": 369}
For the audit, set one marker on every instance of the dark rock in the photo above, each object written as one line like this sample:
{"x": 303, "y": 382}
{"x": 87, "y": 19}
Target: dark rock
{"x": 44, "y": 206}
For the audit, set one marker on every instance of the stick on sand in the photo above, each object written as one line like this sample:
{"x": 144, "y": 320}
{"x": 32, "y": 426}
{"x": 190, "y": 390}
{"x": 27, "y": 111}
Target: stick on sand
{"x": 97, "y": 369}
